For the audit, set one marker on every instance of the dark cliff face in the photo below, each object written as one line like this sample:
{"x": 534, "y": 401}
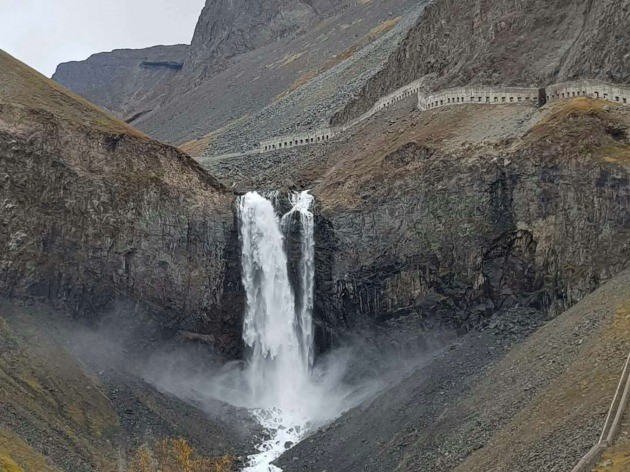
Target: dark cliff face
{"x": 450, "y": 236}
{"x": 507, "y": 42}
{"x": 91, "y": 222}
{"x": 101, "y": 219}
{"x": 126, "y": 82}
{"x": 471, "y": 240}
{"x": 450, "y": 217}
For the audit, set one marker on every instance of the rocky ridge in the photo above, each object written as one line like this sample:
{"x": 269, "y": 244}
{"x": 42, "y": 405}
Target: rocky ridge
{"x": 140, "y": 78}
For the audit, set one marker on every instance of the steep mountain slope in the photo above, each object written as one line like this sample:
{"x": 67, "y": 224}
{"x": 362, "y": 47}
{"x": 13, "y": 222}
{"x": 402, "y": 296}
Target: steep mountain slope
{"x": 313, "y": 98}
{"x": 111, "y": 245}
{"x": 125, "y": 82}
{"x": 507, "y": 42}
{"x": 61, "y": 411}
{"x": 227, "y": 28}
{"x": 245, "y": 57}
{"x": 96, "y": 217}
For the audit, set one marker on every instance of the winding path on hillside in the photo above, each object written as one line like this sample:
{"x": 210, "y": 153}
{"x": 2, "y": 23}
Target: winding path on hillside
{"x": 447, "y": 98}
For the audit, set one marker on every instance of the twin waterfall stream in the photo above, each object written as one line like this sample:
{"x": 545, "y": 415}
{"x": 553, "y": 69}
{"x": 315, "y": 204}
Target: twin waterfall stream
{"x": 278, "y": 324}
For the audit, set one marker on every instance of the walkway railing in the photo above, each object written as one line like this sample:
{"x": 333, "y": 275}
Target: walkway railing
{"x": 612, "y": 423}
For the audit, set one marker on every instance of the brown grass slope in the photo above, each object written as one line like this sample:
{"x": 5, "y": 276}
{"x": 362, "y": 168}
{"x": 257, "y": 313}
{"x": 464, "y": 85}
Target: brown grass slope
{"x": 20, "y": 84}
{"x": 24, "y": 87}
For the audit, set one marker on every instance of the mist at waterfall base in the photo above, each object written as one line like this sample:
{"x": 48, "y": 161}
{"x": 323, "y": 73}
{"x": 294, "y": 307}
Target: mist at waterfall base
{"x": 288, "y": 392}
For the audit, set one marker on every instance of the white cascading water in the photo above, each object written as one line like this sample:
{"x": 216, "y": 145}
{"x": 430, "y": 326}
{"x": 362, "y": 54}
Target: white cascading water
{"x": 280, "y": 337}
{"x": 301, "y": 203}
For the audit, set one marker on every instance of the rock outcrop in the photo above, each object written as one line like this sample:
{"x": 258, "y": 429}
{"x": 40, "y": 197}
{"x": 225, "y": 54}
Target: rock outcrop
{"x": 97, "y": 218}
{"x": 519, "y": 43}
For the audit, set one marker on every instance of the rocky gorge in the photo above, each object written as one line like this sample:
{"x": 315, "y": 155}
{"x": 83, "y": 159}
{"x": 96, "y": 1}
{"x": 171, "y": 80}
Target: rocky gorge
{"x": 459, "y": 273}
{"x": 486, "y": 221}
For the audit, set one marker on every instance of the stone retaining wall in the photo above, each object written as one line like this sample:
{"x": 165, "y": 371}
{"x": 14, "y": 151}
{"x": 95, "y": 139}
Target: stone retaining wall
{"x": 299, "y": 139}
{"x": 589, "y": 88}
{"x": 479, "y": 96}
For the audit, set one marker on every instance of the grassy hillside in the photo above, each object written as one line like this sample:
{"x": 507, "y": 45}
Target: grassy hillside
{"x": 99, "y": 219}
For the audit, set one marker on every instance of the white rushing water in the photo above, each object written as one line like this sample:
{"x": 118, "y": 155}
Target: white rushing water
{"x": 301, "y": 203}
{"x": 278, "y": 329}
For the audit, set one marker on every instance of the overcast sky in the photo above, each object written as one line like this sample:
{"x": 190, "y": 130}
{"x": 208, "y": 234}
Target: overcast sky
{"x": 44, "y": 33}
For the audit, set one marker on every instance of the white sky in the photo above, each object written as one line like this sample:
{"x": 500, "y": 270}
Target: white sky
{"x": 44, "y": 33}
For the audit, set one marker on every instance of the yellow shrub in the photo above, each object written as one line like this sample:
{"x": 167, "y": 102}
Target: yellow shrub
{"x": 176, "y": 455}
{"x": 7, "y": 464}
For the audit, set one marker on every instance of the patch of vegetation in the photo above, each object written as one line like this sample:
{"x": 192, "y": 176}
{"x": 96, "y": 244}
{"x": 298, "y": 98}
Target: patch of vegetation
{"x": 567, "y": 111}
{"x": 17, "y": 456}
{"x": 7, "y": 464}
{"x": 615, "y": 459}
{"x": 590, "y": 127}
{"x": 615, "y": 154}
{"x": 45, "y": 390}
{"x": 383, "y": 28}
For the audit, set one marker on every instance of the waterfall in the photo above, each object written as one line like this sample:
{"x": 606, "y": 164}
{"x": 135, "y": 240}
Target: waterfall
{"x": 301, "y": 203}
{"x": 277, "y": 329}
